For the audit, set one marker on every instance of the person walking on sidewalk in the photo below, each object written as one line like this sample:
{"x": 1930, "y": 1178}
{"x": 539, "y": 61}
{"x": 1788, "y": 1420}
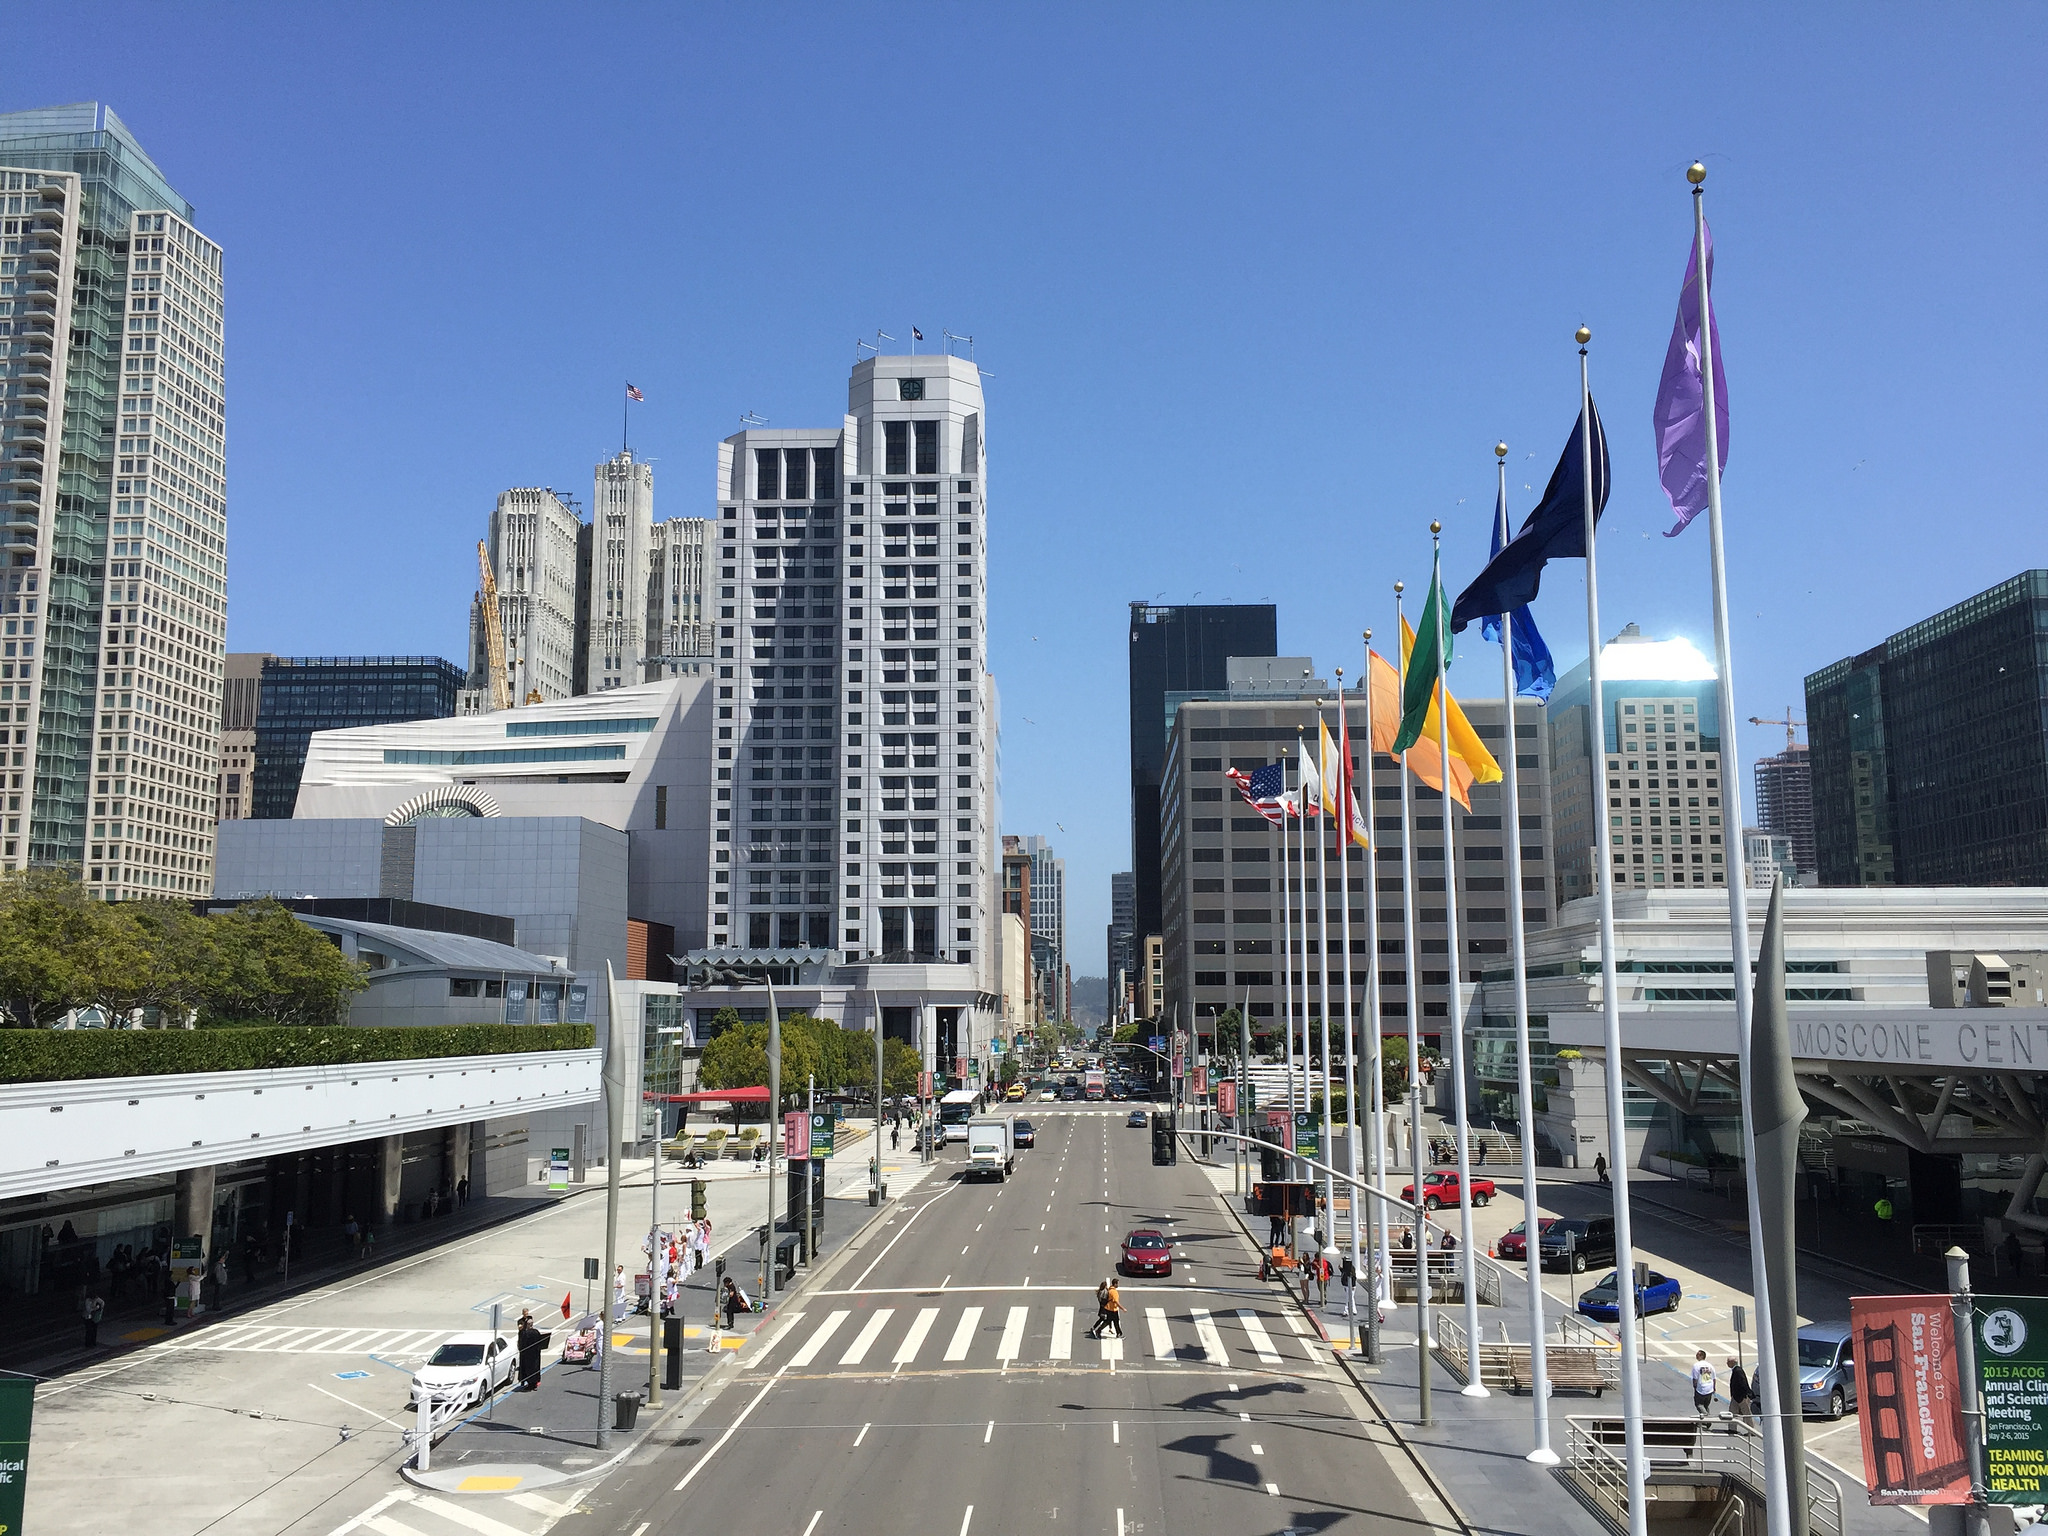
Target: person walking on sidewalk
{"x": 618, "y": 1292}
{"x": 1600, "y": 1168}
{"x": 1741, "y": 1398}
{"x": 1323, "y": 1279}
{"x": 1702, "y": 1385}
{"x": 90, "y": 1310}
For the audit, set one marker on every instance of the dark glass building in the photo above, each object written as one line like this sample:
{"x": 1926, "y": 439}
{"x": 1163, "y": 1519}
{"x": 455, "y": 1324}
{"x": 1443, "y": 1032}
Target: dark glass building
{"x": 299, "y": 695}
{"x": 1930, "y": 751}
{"x": 1176, "y": 650}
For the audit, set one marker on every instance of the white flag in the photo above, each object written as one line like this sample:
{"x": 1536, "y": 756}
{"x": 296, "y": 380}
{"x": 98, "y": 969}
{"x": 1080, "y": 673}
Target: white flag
{"x": 1311, "y": 782}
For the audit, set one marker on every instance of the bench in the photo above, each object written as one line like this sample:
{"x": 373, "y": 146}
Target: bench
{"x": 1574, "y": 1366}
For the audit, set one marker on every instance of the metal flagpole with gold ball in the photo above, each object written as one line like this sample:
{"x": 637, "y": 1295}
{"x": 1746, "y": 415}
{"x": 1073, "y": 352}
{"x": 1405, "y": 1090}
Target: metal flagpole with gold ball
{"x": 1532, "y": 1246}
{"x": 1420, "y": 1213}
{"x": 1374, "y": 1062}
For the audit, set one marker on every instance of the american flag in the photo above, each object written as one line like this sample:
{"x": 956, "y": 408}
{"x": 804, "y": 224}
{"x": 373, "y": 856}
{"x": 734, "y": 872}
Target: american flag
{"x": 634, "y": 394}
{"x": 1264, "y": 790}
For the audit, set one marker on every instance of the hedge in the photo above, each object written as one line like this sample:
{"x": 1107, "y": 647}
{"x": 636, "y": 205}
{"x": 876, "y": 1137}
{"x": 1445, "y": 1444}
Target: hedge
{"x": 47, "y": 1056}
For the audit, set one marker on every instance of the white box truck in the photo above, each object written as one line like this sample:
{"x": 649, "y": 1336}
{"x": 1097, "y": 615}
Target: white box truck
{"x": 989, "y": 1150}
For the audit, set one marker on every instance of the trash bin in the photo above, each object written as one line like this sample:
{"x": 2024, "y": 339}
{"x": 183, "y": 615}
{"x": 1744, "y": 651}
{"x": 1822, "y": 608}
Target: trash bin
{"x": 874, "y": 1196}
{"x": 672, "y": 1353}
{"x": 625, "y": 1410}
{"x": 785, "y": 1261}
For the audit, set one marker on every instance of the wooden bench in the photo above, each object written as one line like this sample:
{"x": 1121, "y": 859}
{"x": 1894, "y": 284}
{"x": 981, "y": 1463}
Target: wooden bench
{"x": 1573, "y": 1366}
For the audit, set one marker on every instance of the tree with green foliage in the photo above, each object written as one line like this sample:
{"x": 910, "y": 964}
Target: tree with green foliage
{"x": 901, "y": 1066}
{"x": 266, "y": 964}
{"x": 52, "y": 953}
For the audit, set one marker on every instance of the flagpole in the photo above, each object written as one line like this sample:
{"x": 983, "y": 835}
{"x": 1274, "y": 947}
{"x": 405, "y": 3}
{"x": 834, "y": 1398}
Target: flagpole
{"x": 1323, "y": 945}
{"x": 1778, "y": 1476}
{"x": 625, "y": 418}
{"x": 1375, "y": 1023}
{"x": 1422, "y": 1340}
{"x": 1610, "y": 1002}
{"x": 1532, "y": 1246}
{"x": 1288, "y": 1140}
{"x": 1287, "y": 948}
{"x": 1461, "y": 1126}
{"x": 1360, "y": 1210}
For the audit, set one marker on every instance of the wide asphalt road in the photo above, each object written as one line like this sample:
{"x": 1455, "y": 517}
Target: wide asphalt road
{"x": 943, "y": 1380}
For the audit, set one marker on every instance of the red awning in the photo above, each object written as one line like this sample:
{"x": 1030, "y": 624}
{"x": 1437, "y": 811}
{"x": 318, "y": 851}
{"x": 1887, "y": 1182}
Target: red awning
{"x": 722, "y": 1096}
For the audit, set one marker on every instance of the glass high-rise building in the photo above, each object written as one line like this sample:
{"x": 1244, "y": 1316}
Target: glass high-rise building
{"x": 1176, "y": 650}
{"x": 1930, "y": 751}
{"x": 113, "y": 509}
{"x": 299, "y": 695}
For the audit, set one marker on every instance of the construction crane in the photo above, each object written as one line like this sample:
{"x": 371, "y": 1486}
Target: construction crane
{"x": 1791, "y": 723}
{"x": 494, "y": 634}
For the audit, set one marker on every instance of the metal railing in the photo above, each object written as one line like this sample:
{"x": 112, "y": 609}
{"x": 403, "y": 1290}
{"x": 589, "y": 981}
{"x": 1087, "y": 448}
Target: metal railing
{"x": 1931, "y": 1239}
{"x": 1587, "y": 1362}
{"x": 1594, "y": 1458}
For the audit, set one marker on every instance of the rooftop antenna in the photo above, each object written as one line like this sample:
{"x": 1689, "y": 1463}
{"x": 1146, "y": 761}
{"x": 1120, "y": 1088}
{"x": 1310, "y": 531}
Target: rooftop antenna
{"x": 954, "y": 336}
{"x": 753, "y": 419}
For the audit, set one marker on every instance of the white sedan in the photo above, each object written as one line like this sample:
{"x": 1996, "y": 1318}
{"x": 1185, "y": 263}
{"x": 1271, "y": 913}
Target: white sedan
{"x": 468, "y": 1367}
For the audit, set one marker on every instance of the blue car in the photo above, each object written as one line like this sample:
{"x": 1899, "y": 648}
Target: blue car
{"x": 1827, "y": 1369}
{"x": 1604, "y": 1300}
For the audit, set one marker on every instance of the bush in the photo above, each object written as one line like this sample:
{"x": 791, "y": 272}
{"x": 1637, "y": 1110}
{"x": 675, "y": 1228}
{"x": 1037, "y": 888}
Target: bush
{"x": 65, "y": 1055}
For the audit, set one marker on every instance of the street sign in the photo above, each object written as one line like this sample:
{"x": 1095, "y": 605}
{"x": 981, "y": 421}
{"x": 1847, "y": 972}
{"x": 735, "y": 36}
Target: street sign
{"x": 1308, "y": 1133}
{"x": 824, "y": 1133}
{"x": 1909, "y": 1408}
{"x": 1157, "y": 1043}
{"x": 2012, "y": 1363}
{"x": 187, "y": 1250}
{"x": 558, "y": 1168}
{"x": 17, "y": 1404}
{"x": 796, "y": 1134}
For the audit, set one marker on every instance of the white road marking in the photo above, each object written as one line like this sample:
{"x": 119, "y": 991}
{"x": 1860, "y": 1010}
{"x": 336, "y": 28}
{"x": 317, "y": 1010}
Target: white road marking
{"x": 989, "y": 1433}
{"x": 719, "y": 1444}
{"x": 963, "y": 1334}
{"x": 759, "y": 1352}
{"x": 966, "y": 1519}
{"x": 462, "y": 1515}
{"x": 1112, "y": 1350}
{"x": 1162, "y": 1339}
{"x": 914, "y": 1340}
{"x": 814, "y": 1522}
{"x": 1013, "y": 1334}
{"x": 373, "y": 1413}
{"x": 858, "y": 1350}
{"x": 817, "y": 1341}
{"x": 384, "y": 1525}
{"x": 1273, "y": 1489}
{"x": 1212, "y": 1342}
{"x": 1062, "y": 1333}
{"x": 862, "y": 1435}
{"x": 1262, "y": 1342}
{"x": 1116, "y": 1437}
{"x": 1257, "y": 1449}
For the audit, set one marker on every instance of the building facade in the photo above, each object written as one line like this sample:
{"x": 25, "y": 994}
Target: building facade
{"x": 1226, "y": 934}
{"x": 678, "y": 630}
{"x": 1784, "y": 803}
{"x": 112, "y": 481}
{"x": 534, "y": 550}
{"x": 620, "y": 539}
{"x": 1048, "y": 920}
{"x": 1662, "y": 746}
{"x": 1930, "y": 751}
{"x": 1122, "y": 945}
{"x": 299, "y": 695}
{"x": 1176, "y": 650}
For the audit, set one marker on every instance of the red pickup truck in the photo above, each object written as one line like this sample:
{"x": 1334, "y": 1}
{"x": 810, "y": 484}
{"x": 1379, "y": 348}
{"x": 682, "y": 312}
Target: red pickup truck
{"x": 1441, "y": 1188}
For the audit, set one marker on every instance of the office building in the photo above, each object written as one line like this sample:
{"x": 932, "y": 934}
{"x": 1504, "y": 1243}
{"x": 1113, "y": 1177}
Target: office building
{"x": 1222, "y": 864}
{"x": 1767, "y": 858}
{"x": 299, "y": 695}
{"x": 1048, "y": 919}
{"x": 1784, "y": 803}
{"x": 678, "y": 632}
{"x": 1930, "y": 750}
{"x": 1176, "y": 650}
{"x": 856, "y": 741}
{"x": 1122, "y": 949}
{"x": 1152, "y": 989}
{"x": 241, "y": 690}
{"x": 1663, "y": 757}
{"x": 619, "y": 538}
{"x": 113, "y": 509}
{"x": 534, "y": 545}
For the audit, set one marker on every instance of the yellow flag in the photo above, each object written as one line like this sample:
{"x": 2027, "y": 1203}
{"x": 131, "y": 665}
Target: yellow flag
{"x": 1465, "y": 743}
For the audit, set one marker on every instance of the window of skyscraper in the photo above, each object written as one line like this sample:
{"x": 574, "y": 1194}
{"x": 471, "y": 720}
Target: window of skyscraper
{"x": 896, "y": 446}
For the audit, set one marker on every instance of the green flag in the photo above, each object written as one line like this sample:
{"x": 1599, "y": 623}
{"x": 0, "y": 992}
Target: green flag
{"x": 1419, "y": 687}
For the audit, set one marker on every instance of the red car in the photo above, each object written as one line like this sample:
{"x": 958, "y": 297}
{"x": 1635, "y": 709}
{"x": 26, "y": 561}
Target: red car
{"x": 1510, "y": 1244}
{"x": 1147, "y": 1252}
{"x": 1441, "y": 1188}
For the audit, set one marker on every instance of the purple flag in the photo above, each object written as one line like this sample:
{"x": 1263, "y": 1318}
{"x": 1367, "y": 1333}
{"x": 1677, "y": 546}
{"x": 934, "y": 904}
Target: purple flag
{"x": 1680, "y": 421}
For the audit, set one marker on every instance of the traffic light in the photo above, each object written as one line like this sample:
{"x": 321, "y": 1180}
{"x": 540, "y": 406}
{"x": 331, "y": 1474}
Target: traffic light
{"x": 698, "y": 1190}
{"x": 1165, "y": 1152}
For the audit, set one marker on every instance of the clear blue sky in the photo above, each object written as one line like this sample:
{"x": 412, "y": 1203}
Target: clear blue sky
{"x": 1259, "y": 287}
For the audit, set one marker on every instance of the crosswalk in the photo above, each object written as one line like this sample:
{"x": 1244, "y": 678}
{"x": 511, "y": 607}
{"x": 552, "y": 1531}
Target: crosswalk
{"x": 296, "y": 1339}
{"x": 891, "y": 1338}
{"x": 419, "y": 1512}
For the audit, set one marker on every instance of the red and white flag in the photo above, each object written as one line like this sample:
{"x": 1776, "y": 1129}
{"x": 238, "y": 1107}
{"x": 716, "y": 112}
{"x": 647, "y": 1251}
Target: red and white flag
{"x": 634, "y": 394}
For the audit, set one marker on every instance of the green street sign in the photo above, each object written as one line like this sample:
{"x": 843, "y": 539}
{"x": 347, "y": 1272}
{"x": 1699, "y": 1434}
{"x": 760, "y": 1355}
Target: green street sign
{"x": 824, "y": 1130}
{"x": 2012, "y": 1371}
{"x": 1308, "y": 1133}
{"x": 17, "y": 1404}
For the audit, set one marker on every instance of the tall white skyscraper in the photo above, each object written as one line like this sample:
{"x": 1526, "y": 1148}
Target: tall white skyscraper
{"x": 855, "y": 778}
{"x": 676, "y": 591}
{"x": 621, "y": 532}
{"x": 533, "y": 548}
{"x": 113, "y": 490}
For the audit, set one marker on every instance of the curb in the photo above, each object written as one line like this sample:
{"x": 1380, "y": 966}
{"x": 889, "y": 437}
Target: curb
{"x": 1387, "y": 1420}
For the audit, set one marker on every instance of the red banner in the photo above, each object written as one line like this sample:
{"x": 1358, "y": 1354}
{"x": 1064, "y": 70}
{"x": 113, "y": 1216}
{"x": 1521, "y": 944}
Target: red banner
{"x": 924, "y": 1085}
{"x": 1283, "y": 1122}
{"x": 1201, "y": 1081}
{"x": 1226, "y": 1097}
{"x": 1910, "y": 1400}
{"x": 796, "y": 1134}
{"x": 960, "y": 1062}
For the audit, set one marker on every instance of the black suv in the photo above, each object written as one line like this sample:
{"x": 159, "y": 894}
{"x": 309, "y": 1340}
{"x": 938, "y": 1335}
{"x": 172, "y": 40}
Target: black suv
{"x": 1575, "y": 1243}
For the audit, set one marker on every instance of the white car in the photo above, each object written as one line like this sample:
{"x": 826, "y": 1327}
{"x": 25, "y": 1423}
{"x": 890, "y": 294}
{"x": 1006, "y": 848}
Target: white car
{"x": 468, "y": 1367}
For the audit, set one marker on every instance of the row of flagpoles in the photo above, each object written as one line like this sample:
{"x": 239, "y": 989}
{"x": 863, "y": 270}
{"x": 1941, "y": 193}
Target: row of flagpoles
{"x": 1409, "y": 705}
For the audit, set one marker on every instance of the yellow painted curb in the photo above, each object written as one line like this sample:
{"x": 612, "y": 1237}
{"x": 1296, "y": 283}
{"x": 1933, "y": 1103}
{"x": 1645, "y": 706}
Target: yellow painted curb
{"x": 488, "y": 1484}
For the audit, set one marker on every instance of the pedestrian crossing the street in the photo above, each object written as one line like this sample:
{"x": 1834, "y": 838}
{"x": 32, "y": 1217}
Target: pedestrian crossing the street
{"x": 295, "y": 1339}
{"x": 979, "y": 1337}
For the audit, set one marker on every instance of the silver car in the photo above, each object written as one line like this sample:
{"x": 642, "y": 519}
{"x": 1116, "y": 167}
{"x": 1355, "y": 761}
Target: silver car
{"x": 1827, "y": 1369}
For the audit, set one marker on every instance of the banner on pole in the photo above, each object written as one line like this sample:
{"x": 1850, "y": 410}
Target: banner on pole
{"x": 924, "y": 1085}
{"x": 1308, "y": 1133}
{"x": 1226, "y": 1097}
{"x": 2012, "y": 1369}
{"x": 796, "y": 1134}
{"x": 1280, "y": 1120}
{"x": 17, "y": 1407}
{"x": 1910, "y": 1407}
{"x": 823, "y": 1135}
{"x": 1201, "y": 1081}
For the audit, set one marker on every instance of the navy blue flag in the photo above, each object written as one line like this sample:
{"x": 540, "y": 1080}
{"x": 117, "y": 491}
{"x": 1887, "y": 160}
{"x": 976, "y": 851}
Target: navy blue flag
{"x": 1535, "y": 672}
{"x": 1556, "y": 530}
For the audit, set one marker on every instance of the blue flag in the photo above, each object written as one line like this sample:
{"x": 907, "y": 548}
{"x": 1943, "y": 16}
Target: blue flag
{"x": 1535, "y": 672}
{"x": 1556, "y": 530}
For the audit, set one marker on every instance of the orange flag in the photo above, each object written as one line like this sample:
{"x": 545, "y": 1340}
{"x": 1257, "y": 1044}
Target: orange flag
{"x": 1424, "y": 759}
